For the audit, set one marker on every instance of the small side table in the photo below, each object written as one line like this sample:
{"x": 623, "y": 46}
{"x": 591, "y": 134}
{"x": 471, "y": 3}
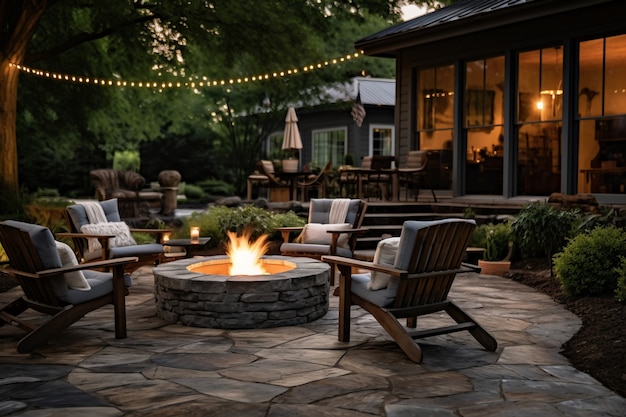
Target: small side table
{"x": 188, "y": 244}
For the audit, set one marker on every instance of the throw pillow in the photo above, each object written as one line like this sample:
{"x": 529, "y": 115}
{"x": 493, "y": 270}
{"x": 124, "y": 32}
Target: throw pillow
{"x": 118, "y": 229}
{"x": 317, "y": 233}
{"x": 385, "y": 255}
{"x": 75, "y": 280}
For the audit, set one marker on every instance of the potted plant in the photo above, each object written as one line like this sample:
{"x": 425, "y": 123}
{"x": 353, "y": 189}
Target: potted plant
{"x": 498, "y": 248}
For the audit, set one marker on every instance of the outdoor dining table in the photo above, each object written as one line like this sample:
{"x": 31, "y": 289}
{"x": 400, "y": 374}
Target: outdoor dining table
{"x": 292, "y": 179}
{"x": 363, "y": 175}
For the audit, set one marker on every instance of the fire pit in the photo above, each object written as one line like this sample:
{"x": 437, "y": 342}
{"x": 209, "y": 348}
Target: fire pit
{"x": 187, "y": 292}
{"x": 201, "y": 292}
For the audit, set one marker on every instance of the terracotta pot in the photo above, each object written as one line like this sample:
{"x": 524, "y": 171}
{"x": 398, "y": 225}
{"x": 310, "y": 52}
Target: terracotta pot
{"x": 290, "y": 165}
{"x": 494, "y": 267}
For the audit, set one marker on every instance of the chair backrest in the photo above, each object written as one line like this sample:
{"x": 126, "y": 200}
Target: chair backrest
{"x": 320, "y": 177}
{"x": 31, "y": 248}
{"x": 427, "y": 247}
{"x": 416, "y": 160}
{"x": 366, "y": 162}
{"x": 320, "y": 212}
{"x": 107, "y": 181}
{"x": 267, "y": 166}
{"x": 267, "y": 169}
{"x": 76, "y": 217}
{"x": 382, "y": 161}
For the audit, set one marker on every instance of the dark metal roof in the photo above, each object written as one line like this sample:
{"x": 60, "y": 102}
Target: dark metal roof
{"x": 456, "y": 11}
{"x": 465, "y": 16}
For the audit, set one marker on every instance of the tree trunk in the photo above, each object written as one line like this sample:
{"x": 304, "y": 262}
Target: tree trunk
{"x": 8, "y": 142}
{"x": 18, "y": 21}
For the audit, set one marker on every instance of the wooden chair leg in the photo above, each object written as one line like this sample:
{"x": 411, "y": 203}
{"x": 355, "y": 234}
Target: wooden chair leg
{"x": 345, "y": 301}
{"x": 394, "y": 329}
{"x": 481, "y": 335}
{"x": 59, "y": 322}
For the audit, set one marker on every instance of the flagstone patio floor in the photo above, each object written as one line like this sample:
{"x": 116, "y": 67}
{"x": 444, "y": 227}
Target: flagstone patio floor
{"x": 164, "y": 369}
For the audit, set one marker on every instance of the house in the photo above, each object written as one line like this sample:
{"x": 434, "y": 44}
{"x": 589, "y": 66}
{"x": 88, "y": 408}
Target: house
{"x": 514, "y": 97}
{"x": 329, "y": 131}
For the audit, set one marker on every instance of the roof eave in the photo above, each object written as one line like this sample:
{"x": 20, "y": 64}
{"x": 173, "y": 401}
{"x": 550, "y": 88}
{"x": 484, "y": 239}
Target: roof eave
{"x": 389, "y": 46}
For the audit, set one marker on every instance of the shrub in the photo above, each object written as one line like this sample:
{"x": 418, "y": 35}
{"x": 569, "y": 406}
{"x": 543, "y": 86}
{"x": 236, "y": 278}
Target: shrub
{"x": 587, "y": 264}
{"x": 479, "y": 237}
{"x": 218, "y": 220}
{"x": 193, "y": 192}
{"x": 217, "y": 187}
{"x": 620, "y": 291}
{"x": 542, "y": 230}
{"x": 497, "y": 241}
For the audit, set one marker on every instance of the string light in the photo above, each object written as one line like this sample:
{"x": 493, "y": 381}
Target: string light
{"x": 161, "y": 85}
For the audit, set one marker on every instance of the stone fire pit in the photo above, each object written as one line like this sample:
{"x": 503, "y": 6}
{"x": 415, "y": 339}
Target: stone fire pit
{"x": 288, "y": 298}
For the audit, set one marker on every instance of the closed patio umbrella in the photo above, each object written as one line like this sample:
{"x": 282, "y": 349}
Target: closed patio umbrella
{"x": 291, "y": 140}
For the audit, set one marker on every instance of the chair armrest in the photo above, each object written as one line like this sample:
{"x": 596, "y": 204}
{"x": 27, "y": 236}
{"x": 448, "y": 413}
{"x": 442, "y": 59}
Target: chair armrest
{"x": 71, "y": 268}
{"x": 340, "y": 231}
{"x": 85, "y": 235}
{"x": 339, "y": 260}
{"x": 286, "y": 231}
{"x": 150, "y": 231}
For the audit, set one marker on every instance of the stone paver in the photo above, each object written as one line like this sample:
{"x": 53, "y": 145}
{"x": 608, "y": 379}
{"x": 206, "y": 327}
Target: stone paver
{"x": 164, "y": 369}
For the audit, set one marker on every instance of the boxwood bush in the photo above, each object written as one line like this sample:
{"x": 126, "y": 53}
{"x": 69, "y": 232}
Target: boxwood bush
{"x": 587, "y": 265}
{"x": 620, "y": 292}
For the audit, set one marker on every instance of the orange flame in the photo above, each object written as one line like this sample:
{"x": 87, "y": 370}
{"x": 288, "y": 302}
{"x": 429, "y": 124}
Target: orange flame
{"x": 245, "y": 255}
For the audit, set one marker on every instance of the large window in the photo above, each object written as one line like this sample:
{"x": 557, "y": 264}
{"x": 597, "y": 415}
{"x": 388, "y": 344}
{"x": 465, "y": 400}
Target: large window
{"x": 602, "y": 115}
{"x": 329, "y": 146}
{"x": 435, "y": 116}
{"x": 381, "y": 140}
{"x": 539, "y": 124}
{"x": 484, "y": 116}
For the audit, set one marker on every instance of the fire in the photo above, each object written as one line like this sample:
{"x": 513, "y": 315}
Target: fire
{"x": 245, "y": 256}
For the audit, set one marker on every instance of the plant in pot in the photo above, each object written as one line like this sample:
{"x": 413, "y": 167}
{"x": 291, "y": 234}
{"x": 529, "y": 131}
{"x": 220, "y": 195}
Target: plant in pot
{"x": 498, "y": 248}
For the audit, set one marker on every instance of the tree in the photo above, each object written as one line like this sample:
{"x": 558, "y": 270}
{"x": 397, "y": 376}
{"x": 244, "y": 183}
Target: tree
{"x": 170, "y": 39}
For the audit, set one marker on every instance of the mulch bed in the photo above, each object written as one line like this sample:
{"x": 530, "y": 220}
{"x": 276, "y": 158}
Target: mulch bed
{"x": 599, "y": 347}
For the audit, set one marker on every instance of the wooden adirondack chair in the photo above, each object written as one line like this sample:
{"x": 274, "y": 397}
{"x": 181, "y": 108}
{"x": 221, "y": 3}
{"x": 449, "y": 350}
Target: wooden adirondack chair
{"x": 65, "y": 293}
{"x": 321, "y": 236}
{"x": 147, "y": 253}
{"x": 410, "y": 277}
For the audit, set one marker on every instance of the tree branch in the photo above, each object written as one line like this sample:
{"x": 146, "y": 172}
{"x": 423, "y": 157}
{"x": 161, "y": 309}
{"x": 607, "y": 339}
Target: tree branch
{"x": 84, "y": 38}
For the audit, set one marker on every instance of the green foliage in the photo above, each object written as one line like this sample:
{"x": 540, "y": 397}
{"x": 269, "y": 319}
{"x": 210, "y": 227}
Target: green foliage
{"x": 126, "y": 161}
{"x": 193, "y": 192}
{"x": 469, "y": 213}
{"x": 542, "y": 230}
{"x": 86, "y": 124}
{"x": 606, "y": 216}
{"x": 620, "y": 270}
{"x": 587, "y": 264}
{"x": 216, "y": 221}
{"x": 12, "y": 206}
{"x": 497, "y": 241}
{"x": 479, "y": 237}
{"x": 217, "y": 187}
